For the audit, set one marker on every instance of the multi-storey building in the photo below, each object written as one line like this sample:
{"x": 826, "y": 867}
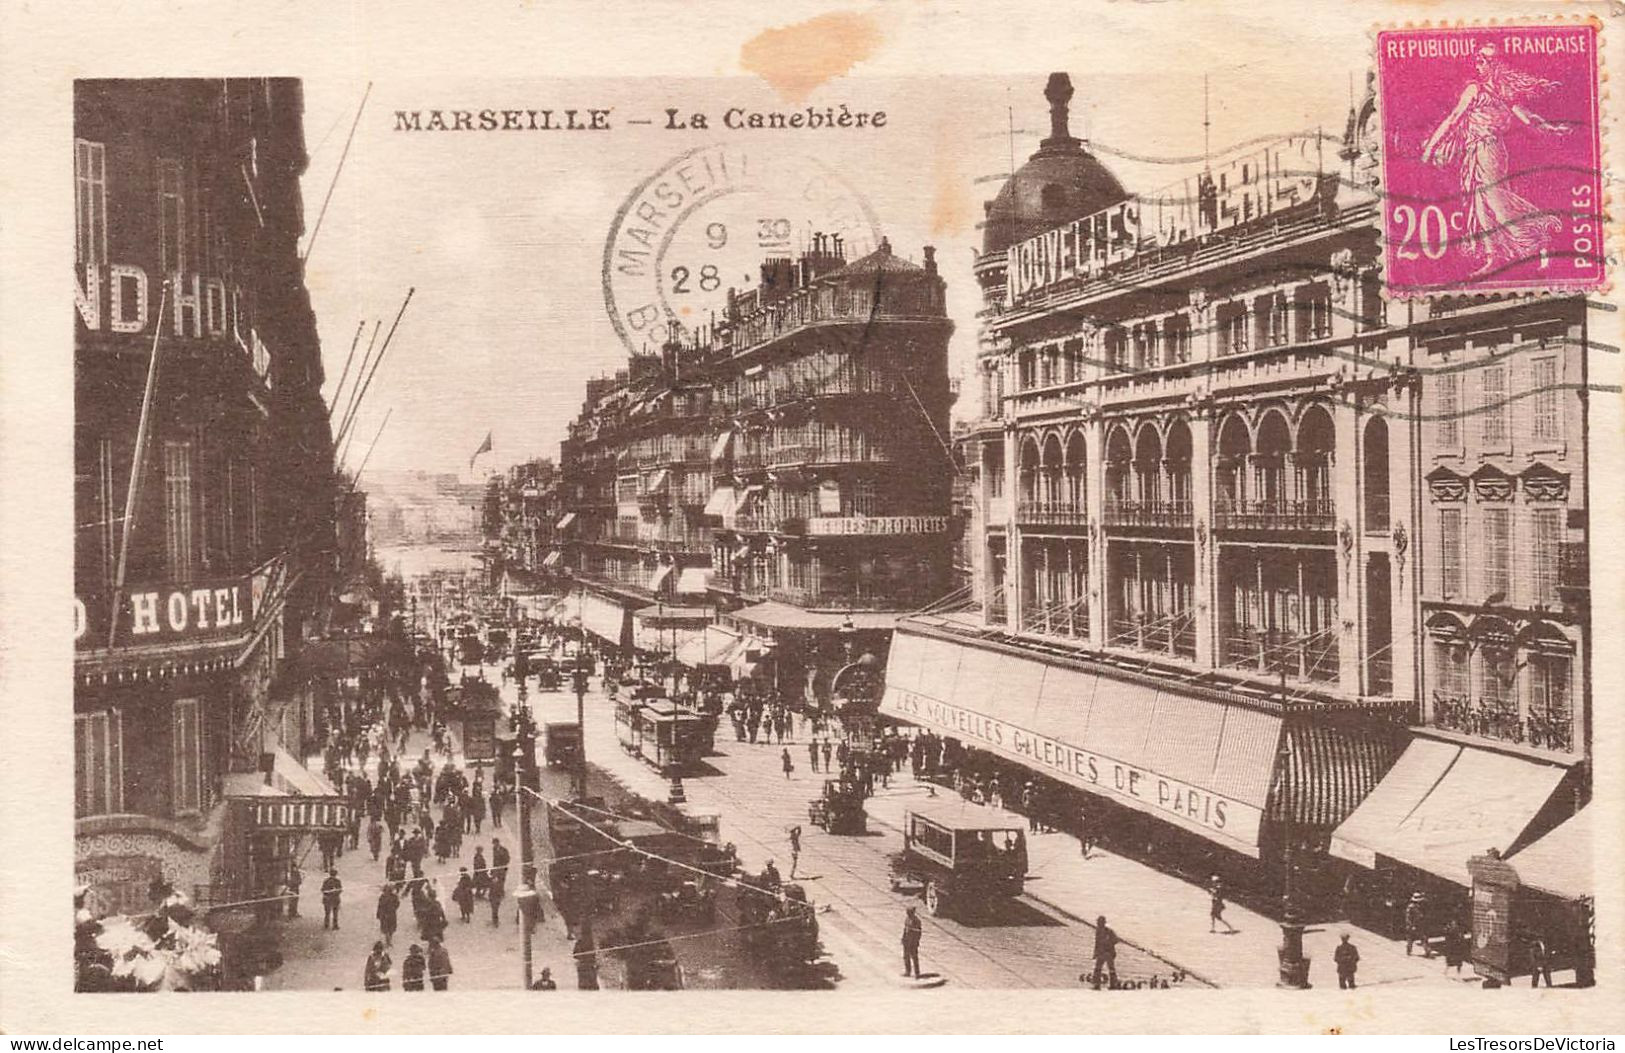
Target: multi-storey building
{"x": 1210, "y": 520}
{"x": 634, "y": 477}
{"x": 204, "y": 497}
{"x": 833, "y": 463}
{"x": 521, "y": 513}
{"x": 791, "y": 464}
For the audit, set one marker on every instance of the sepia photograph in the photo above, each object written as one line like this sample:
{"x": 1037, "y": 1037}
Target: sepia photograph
{"x": 1112, "y": 523}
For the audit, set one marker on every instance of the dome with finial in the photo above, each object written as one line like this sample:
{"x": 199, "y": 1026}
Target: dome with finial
{"x": 1063, "y": 181}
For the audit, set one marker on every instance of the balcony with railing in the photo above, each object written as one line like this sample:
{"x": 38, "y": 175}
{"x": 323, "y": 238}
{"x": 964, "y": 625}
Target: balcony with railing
{"x": 1500, "y": 719}
{"x": 1037, "y": 512}
{"x": 1306, "y": 657}
{"x": 1314, "y": 514}
{"x": 1124, "y": 513}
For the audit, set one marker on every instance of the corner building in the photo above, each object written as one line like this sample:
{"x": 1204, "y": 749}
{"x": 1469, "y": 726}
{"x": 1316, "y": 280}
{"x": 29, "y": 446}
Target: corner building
{"x": 203, "y": 498}
{"x": 1202, "y": 529}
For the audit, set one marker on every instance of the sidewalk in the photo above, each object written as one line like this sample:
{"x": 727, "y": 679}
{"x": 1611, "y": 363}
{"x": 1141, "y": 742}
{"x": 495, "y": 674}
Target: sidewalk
{"x": 484, "y": 956}
{"x": 1164, "y": 913}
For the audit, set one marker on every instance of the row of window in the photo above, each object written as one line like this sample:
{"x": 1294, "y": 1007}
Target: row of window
{"x": 190, "y": 238}
{"x": 1480, "y": 405}
{"x": 210, "y": 512}
{"x": 1510, "y": 553}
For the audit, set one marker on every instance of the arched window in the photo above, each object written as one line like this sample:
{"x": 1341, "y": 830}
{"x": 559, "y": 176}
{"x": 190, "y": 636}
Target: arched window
{"x": 1269, "y": 461}
{"x": 1119, "y": 455}
{"x": 1076, "y": 456}
{"x": 1148, "y": 467}
{"x": 1176, "y": 457}
{"x": 1050, "y": 492}
{"x": 1316, "y": 442}
{"x": 1235, "y": 445}
{"x": 1028, "y": 470}
{"x": 1375, "y": 473}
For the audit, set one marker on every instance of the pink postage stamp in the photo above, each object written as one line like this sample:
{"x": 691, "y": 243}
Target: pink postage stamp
{"x": 1492, "y": 170}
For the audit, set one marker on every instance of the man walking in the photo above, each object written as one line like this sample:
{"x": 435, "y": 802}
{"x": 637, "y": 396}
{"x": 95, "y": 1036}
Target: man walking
{"x": 784, "y": 759}
{"x": 812, "y": 755}
{"x": 499, "y": 862}
{"x": 1215, "y": 910}
{"x": 389, "y": 905}
{"x": 1416, "y": 925}
{"x": 795, "y": 848}
{"x": 912, "y": 931}
{"x": 439, "y": 965}
{"x": 332, "y": 889}
{"x": 1347, "y": 957}
{"x": 829, "y": 753}
{"x": 1105, "y": 953}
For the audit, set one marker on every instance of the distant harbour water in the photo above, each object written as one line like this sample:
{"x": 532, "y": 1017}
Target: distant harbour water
{"x": 415, "y": 560}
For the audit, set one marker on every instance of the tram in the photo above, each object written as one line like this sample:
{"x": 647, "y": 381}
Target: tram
{"x": 663, "y": 734}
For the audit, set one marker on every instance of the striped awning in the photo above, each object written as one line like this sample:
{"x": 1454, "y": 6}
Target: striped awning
{"x": 552, "y": 558}
{"x": 1200, "y": 764}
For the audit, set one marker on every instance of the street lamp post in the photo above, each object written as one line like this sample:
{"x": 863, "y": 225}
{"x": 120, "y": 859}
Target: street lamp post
{"x": 1294, "y": 967}
{"x": 523, "y": 762}
{"x": 578, "y": 680}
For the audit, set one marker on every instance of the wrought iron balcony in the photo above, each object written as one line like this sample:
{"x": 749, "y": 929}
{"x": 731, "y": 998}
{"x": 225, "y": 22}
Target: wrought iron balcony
{"x": 1317, "y": 514}
{"x": 1050, "y": 513}
{"x": 1500, "y": 719}
{"x": 1148, "y": 513}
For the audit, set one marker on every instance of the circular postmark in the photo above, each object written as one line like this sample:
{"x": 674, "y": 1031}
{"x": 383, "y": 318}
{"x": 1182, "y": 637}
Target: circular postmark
{"x": 705, "y": 222}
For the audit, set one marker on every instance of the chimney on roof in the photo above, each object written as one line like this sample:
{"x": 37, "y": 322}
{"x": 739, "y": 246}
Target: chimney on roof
{"x": 1059, "y": 93}
{"x": 885, "y": 246}
{"x": 930, "y": 259}
{"x": 836, "y": 239}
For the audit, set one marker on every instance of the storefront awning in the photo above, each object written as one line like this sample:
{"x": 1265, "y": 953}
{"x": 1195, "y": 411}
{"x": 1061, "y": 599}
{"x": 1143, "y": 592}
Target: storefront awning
{"x": 694, "y": 581}
{"x": 605, "y": 619}
{"x": 1203, "y": 765}
{"x": 659, "y": 481}
{"x": 1442, "y": 804}
{"x": 774, "y": 615}
{"x": 719, "y": 449}
{"x": 714, "y": 646}
{"x": 566, "y": 520}
{"x": 1560, "y": 862}
{"x": 658, "y": 578}
{"x": 552, "y": 558}
{"x": 721, "y": 502}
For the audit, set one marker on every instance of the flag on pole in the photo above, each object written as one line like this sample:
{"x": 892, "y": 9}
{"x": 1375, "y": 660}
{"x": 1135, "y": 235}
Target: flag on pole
{"x": 485, "y": 447}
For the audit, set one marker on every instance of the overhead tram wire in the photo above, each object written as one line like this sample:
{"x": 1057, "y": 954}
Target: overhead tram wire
{"x": 331, "y": 186}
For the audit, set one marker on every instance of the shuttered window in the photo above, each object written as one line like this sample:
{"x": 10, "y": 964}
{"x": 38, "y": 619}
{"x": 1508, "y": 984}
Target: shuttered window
{"x": 1450, "y": 556}
{"x": 188, "y": 757}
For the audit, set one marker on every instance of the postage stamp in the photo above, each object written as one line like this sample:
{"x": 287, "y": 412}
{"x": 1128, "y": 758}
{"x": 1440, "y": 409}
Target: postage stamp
{"x": 1491, "y": 158}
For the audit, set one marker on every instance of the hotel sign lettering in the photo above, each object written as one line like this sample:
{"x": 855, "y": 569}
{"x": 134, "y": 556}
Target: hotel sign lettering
{"x": 845, "y": 525}
{"x": 299, "y": 813}
{"x": 122, "y": 298}
{"x": 1213, "y": 815}
{"x": 196, "y": 611}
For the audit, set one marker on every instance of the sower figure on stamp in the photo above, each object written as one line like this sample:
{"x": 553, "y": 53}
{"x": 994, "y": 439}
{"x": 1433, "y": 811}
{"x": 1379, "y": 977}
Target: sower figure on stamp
{"x": 1503, "y": 227}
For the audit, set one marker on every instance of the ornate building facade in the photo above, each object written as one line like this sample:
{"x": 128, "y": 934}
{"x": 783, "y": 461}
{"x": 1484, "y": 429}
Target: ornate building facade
{"x": 1215, "y": 473}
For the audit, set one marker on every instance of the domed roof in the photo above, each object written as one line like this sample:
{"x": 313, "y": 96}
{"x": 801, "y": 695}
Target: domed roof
{"x": 1061, "y": 182}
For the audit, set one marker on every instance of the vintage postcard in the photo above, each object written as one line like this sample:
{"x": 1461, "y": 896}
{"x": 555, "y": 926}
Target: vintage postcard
{"x": 1034, "y": 518}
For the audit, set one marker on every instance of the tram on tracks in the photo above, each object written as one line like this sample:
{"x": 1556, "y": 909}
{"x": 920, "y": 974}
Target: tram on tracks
{"x": 670, "y": 738}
